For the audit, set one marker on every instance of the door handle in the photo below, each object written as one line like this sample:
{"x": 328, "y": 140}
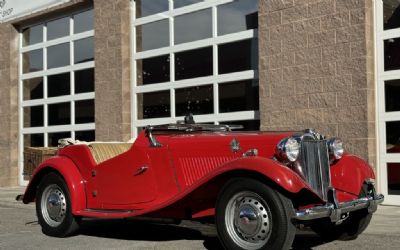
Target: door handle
{"x": 141, "y": 170}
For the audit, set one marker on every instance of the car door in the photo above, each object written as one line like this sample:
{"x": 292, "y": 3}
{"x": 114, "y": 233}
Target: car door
{"x": 124, "y": 180}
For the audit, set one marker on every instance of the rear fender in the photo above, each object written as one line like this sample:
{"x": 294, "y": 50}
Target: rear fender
{"x": 69, "y": 172}
{"x": 349, "y": 173}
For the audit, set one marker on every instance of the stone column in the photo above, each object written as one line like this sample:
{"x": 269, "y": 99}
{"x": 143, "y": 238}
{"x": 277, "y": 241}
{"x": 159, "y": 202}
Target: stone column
{"x": 316, "y": 69}
{"x": 8, "y": 105}
{"x": 112, "y": 73}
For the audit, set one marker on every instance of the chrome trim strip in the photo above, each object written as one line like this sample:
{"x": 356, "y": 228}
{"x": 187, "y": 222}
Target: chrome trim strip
{"x": 328, "y": 210}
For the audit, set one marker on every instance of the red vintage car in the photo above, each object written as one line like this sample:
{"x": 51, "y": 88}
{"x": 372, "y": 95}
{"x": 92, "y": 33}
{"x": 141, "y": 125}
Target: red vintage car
{"x": 256, "y": 186}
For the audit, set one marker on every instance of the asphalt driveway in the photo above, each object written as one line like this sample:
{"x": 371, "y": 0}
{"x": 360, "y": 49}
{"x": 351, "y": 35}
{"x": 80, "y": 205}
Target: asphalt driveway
{"x": 19, "y": 230}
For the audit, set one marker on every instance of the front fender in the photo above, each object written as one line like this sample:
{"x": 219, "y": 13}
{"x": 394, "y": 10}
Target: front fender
{"x": 349, "y": 173}
{"x": 67, "y": 169}
{"x": 276, "y": 172}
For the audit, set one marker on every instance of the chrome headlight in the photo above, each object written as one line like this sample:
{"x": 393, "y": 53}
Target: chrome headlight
{"x": 335, "y": 148}
{"x": 288, "y": 149}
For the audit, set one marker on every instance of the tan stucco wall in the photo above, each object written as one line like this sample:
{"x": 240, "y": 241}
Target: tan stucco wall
{"x": 316, "y": 69}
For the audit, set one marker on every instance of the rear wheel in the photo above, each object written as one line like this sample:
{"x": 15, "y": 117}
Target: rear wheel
{"x": 251, "y": 215}
{"x": 53, "y": 207}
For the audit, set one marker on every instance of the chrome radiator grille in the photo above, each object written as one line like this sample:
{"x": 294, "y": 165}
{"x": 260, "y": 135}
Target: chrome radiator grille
{"x": 314, "y": 159}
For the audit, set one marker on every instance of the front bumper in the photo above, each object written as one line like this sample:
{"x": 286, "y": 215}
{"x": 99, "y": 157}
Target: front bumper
{"x": 336, "y": 211}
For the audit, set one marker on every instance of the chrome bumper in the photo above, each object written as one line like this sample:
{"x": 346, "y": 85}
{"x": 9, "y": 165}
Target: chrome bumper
{"x": 337, "y": 211}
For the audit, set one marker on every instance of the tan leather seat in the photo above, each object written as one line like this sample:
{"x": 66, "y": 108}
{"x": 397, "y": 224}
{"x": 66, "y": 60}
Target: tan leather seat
{"x": 103, "y": 151}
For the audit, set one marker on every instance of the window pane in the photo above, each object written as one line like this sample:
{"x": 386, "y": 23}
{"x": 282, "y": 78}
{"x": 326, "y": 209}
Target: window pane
{"x": 58, "y": 85}
{"x": 58, "y": 28}
{"x": 84, "y": 50}
{"x": 85, "y": 135}
{"x": 32, "y": 35}
{"x": 237, "y": 16}
{"x": 391, "y": 14}
{"x": 393, "y": 175}
{"x": 153, "y": 70}
{"x": 193, "y": 63}
{"x": 84, "y": 81}
{"x": 152, "y": 35}
{"x": 84, "y": 111}
{"x": 146, "y": 7}
{"x": 83, "y": 21}
{"x": 238, "y": 96}
{"x": 54, "y": 137}
{"x": 193, "y": 26}
{"x": 238, "y": 56}
{"x": 58, "y": 56}
{"x": 392, "y": 53}
{"x": 33, "y": 88}
{"x": 154, "y": 105}
{"x": 34, "y": 140}
{"x": 248, "y": 125}
{"x": 393, "y": 137}
{"x": 182, "y": 3}
{"x": 33, "y": 116}
{"x": 59, "y": 114}
{"x": 392, "y": 93}
{"x": 32, "y": 61}
{"x": 195, "y": 100}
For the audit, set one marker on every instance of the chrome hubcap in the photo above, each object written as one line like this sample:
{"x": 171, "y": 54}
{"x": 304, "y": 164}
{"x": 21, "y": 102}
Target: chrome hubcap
{"x": 53, "y": 205}
{"x": 248, "y": 220}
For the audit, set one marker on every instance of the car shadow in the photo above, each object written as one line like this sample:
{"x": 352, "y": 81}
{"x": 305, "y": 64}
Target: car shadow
{"x": 151, "y": 231}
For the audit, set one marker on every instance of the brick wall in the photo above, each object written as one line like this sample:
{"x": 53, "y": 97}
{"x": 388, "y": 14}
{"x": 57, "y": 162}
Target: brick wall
{"x": 112, "y": 76}
{"x": 316, "y": 69}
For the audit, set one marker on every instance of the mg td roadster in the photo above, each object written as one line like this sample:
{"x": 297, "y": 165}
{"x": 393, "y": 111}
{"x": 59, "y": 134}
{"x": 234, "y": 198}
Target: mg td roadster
{"x": 257, "y": 187}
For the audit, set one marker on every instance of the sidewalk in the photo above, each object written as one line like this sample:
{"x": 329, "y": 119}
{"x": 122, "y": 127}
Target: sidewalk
{"x": 7, "y": 197}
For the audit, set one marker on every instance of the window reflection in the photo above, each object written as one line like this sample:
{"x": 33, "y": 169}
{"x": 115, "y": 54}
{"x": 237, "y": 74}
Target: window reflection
{"x": 32, "y": 61}
{"x": 237, "y": 16}
{"x": 84, "y": 111}
{"x": 84, "y": 81}
{"x": 393, "y": 137}
{"x": 154, "y": 105}
{"x": 196, "y": 100}
{"x": 193, "y": 26}
{"x": 32, "y": 35}
{"x": 88, "y": 135}
{"x": 393, "y": 178}
{"x": 392, "y": 53}
{"x": 58, "y": 28}
{"x": 391, "y": 14}
{"x": 146, "y": 7}
{"x": 83, "y": 21}
{"x": 59, "y": 114}
{"x": 193, "y": 63}
{"x": 54, "y": 137}
{"x": 392, "y": 93}
{"x": 153, "y": 70}
{"x": 33, "y": 88}
{"x": 182, "y": 3}
{"x": 84, "y": 50}
{"x": 238, "y": 56}
{"x": 58, "y": 56}
{"x": 58, "y": 85}
{"x": 33, "y": 116}
{"x": 152, "y": 35}
{"x": 238, "y": 96}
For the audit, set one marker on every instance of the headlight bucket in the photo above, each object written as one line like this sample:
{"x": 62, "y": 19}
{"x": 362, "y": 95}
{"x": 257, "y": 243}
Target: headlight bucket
{"x": 336, "y": 150}
{"x": 288, "y": 149}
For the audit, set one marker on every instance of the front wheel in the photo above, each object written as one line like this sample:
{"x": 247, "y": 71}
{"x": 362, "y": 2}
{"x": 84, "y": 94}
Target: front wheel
{"x": 53, "y": 207}
{"x": 250, "y": 215}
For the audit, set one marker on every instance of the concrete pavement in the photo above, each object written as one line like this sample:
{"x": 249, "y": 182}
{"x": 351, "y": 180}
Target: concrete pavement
{"x": 19, "y": 230}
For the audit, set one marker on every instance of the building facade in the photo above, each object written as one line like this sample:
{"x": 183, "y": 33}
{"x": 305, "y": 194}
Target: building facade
{"x": 102, "y": 70}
